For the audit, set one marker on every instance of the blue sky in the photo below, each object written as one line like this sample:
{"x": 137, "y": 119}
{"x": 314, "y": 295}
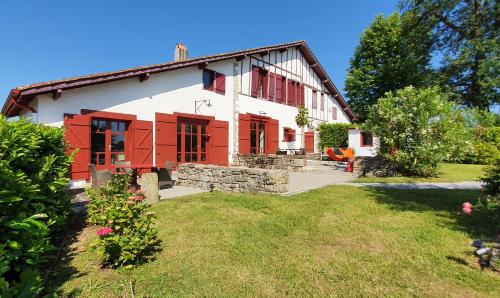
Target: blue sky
{"x": 47, "y": 40}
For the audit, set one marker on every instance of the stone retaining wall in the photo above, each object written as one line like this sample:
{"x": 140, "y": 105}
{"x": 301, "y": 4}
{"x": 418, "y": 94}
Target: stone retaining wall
{"x": 373, "y": 166}
{"x": 271, "y": 162}
{"x": 233, "y": 179}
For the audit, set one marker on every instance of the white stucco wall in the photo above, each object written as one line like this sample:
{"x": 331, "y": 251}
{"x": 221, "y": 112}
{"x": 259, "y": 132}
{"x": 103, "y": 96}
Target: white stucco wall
{"x": 355, "y": 143}
{"x": 176, "y": 91}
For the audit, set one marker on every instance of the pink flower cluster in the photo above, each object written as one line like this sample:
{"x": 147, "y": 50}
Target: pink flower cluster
{"x": 104, "y": 231}
{"x": 467, "y": 208}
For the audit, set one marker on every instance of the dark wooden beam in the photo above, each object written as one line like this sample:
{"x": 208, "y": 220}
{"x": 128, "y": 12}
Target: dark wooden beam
{"x": 56, "y": 94}
{"x": 264, "y": 53}
{"x": 144, "y": 77}
{"x": 325, "y": 80}
{"x": 203, "y": 65}
{"x": 239, "y": 58}
{"x": 283, "y": 50}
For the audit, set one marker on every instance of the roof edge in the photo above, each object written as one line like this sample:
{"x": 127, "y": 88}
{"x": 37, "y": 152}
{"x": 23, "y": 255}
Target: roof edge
{"x": 13, "y": 105}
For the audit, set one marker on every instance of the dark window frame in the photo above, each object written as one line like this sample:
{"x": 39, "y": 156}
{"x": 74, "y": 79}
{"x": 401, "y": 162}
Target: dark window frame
{"x": 214, "y": 75}
{"x": 364, "y": 137}
{"x": 289, "y": 134}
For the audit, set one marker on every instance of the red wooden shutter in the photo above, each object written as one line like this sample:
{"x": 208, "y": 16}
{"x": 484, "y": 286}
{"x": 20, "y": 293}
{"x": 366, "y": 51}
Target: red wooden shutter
{"x": 334, "y": 113}
{"x": 143, "y": 142}
{"x": 255, "y": 81}
{"x": 279, "y": 88}
{"x": 283, "y": 88}
{"x": 273, "y": 132}
{"x": 314, "y": 100}
{"x": 166, "y": 138}
{"x": 77, "y": 135}
{"x": 244, "y": 133}
{"x": 272, "y": 86}
{"x": 220, "y": 142}
{"x": 302, "y": 94}
{"x": 264, "y": 76}
{"x": 220, "y": 83}
{"x": 291, "y": 93}
{"x": 294, "y": 134}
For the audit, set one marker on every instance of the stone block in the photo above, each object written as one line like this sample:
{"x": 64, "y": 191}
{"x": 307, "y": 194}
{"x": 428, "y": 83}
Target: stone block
{"x": 149, "y": 184}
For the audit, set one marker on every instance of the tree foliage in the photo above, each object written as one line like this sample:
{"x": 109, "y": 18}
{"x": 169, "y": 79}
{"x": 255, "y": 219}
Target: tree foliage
{"x": 465, "y": 32}
{"x": 417, "y": 129}
{"x": 302, "y": 119}
{"x": 390, "y": 56}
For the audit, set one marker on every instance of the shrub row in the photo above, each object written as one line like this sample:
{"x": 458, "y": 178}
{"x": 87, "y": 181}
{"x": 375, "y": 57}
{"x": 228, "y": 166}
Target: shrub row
{"x": 333, "y": 135}
{"x": 33, "y": 175}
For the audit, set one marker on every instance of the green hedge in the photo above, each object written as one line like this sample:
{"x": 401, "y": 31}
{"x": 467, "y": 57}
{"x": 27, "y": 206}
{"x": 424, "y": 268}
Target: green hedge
{"x": 33, "y": 175}
{"x": 334, "y": 135}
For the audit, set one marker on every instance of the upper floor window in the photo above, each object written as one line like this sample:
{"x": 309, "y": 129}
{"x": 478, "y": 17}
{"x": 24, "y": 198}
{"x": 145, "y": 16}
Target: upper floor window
{"x": 288, "y": 134}
{"x": 314, "y": 99}
{"x": 334, "y": 113}
{"x": 214, "y": 81}
{"x": 259, "y": 82}
{"x": 295, "y": 93}
{"x": 366, "y": 139}
{"x": 322, "y": 102}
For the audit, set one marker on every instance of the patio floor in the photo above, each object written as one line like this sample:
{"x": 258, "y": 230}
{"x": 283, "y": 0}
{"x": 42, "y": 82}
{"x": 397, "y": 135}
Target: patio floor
{"x": 316, "y": 175}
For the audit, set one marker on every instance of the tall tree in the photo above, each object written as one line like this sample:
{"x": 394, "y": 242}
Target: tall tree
{"x": 391, "y": 55}
{"x": 466, "y": 37}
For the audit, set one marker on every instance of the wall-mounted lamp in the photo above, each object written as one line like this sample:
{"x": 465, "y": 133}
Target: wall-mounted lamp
{"x": 199, "y": 103}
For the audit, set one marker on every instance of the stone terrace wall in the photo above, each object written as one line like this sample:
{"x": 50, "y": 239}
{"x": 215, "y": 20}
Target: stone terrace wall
{"x": 233, "y": 179}
{"x": 271, "y": 162}
{"x": 373, "y": 166}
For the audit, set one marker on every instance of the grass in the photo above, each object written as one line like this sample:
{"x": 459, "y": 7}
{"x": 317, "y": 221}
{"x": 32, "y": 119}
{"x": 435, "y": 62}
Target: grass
{"x": 335, "y": 241}
{"x": 447, "y": 172}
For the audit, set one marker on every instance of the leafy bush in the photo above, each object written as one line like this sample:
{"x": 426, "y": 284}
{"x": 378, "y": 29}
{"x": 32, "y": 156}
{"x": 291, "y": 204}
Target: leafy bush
{"x": 484, "y": 136}
{"x": 417, "y": 129}
{"x": 486, "y": 145}
{"x": 33, "y": 175}
{"x": 333, "y": 135}
{"x": 127, "y": 233}
{"x": 489, "y": 202}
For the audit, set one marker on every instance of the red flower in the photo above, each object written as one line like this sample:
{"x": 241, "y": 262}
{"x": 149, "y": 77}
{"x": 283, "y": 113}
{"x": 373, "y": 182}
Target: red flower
{"x": 467, "y": 208}
{"x": 104, "y": 231}
{"x": 139, "y": 198}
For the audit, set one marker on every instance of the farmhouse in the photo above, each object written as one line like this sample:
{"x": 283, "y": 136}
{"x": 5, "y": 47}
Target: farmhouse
{"x": 200, "y": 110}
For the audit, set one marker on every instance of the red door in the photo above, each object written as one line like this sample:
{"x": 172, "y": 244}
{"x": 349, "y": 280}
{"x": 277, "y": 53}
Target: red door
{"x": 108, "y": 142}
{"x": 192, "y": 141}
{"x": 258, "y": 137}
{"x": 309, "y": 141}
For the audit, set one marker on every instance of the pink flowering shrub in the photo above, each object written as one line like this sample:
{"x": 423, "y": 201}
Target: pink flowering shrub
{"x": 127, "y": 234}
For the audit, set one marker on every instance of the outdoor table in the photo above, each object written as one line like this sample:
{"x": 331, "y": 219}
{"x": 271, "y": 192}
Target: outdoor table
{"x": 136, "y": 169}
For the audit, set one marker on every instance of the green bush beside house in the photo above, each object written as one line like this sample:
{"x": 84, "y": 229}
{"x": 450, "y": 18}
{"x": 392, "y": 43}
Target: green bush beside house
{"x": 417, "y": 129}
{"x": 34, "y": 173}
{"x": 334, "y": 135}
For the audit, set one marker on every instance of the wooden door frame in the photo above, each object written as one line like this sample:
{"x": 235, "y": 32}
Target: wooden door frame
{"x": 110, "y": 116}
{"x": 265, "y": 120}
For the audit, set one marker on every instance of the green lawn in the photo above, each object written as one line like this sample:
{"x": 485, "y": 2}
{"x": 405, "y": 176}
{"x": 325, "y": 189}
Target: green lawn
{"x": 340, "y": 241}
{"x": 447, "y": 173}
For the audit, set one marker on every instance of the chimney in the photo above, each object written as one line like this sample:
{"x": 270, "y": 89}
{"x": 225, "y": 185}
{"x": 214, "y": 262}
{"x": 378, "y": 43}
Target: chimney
{"x": 181, "y": 52}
